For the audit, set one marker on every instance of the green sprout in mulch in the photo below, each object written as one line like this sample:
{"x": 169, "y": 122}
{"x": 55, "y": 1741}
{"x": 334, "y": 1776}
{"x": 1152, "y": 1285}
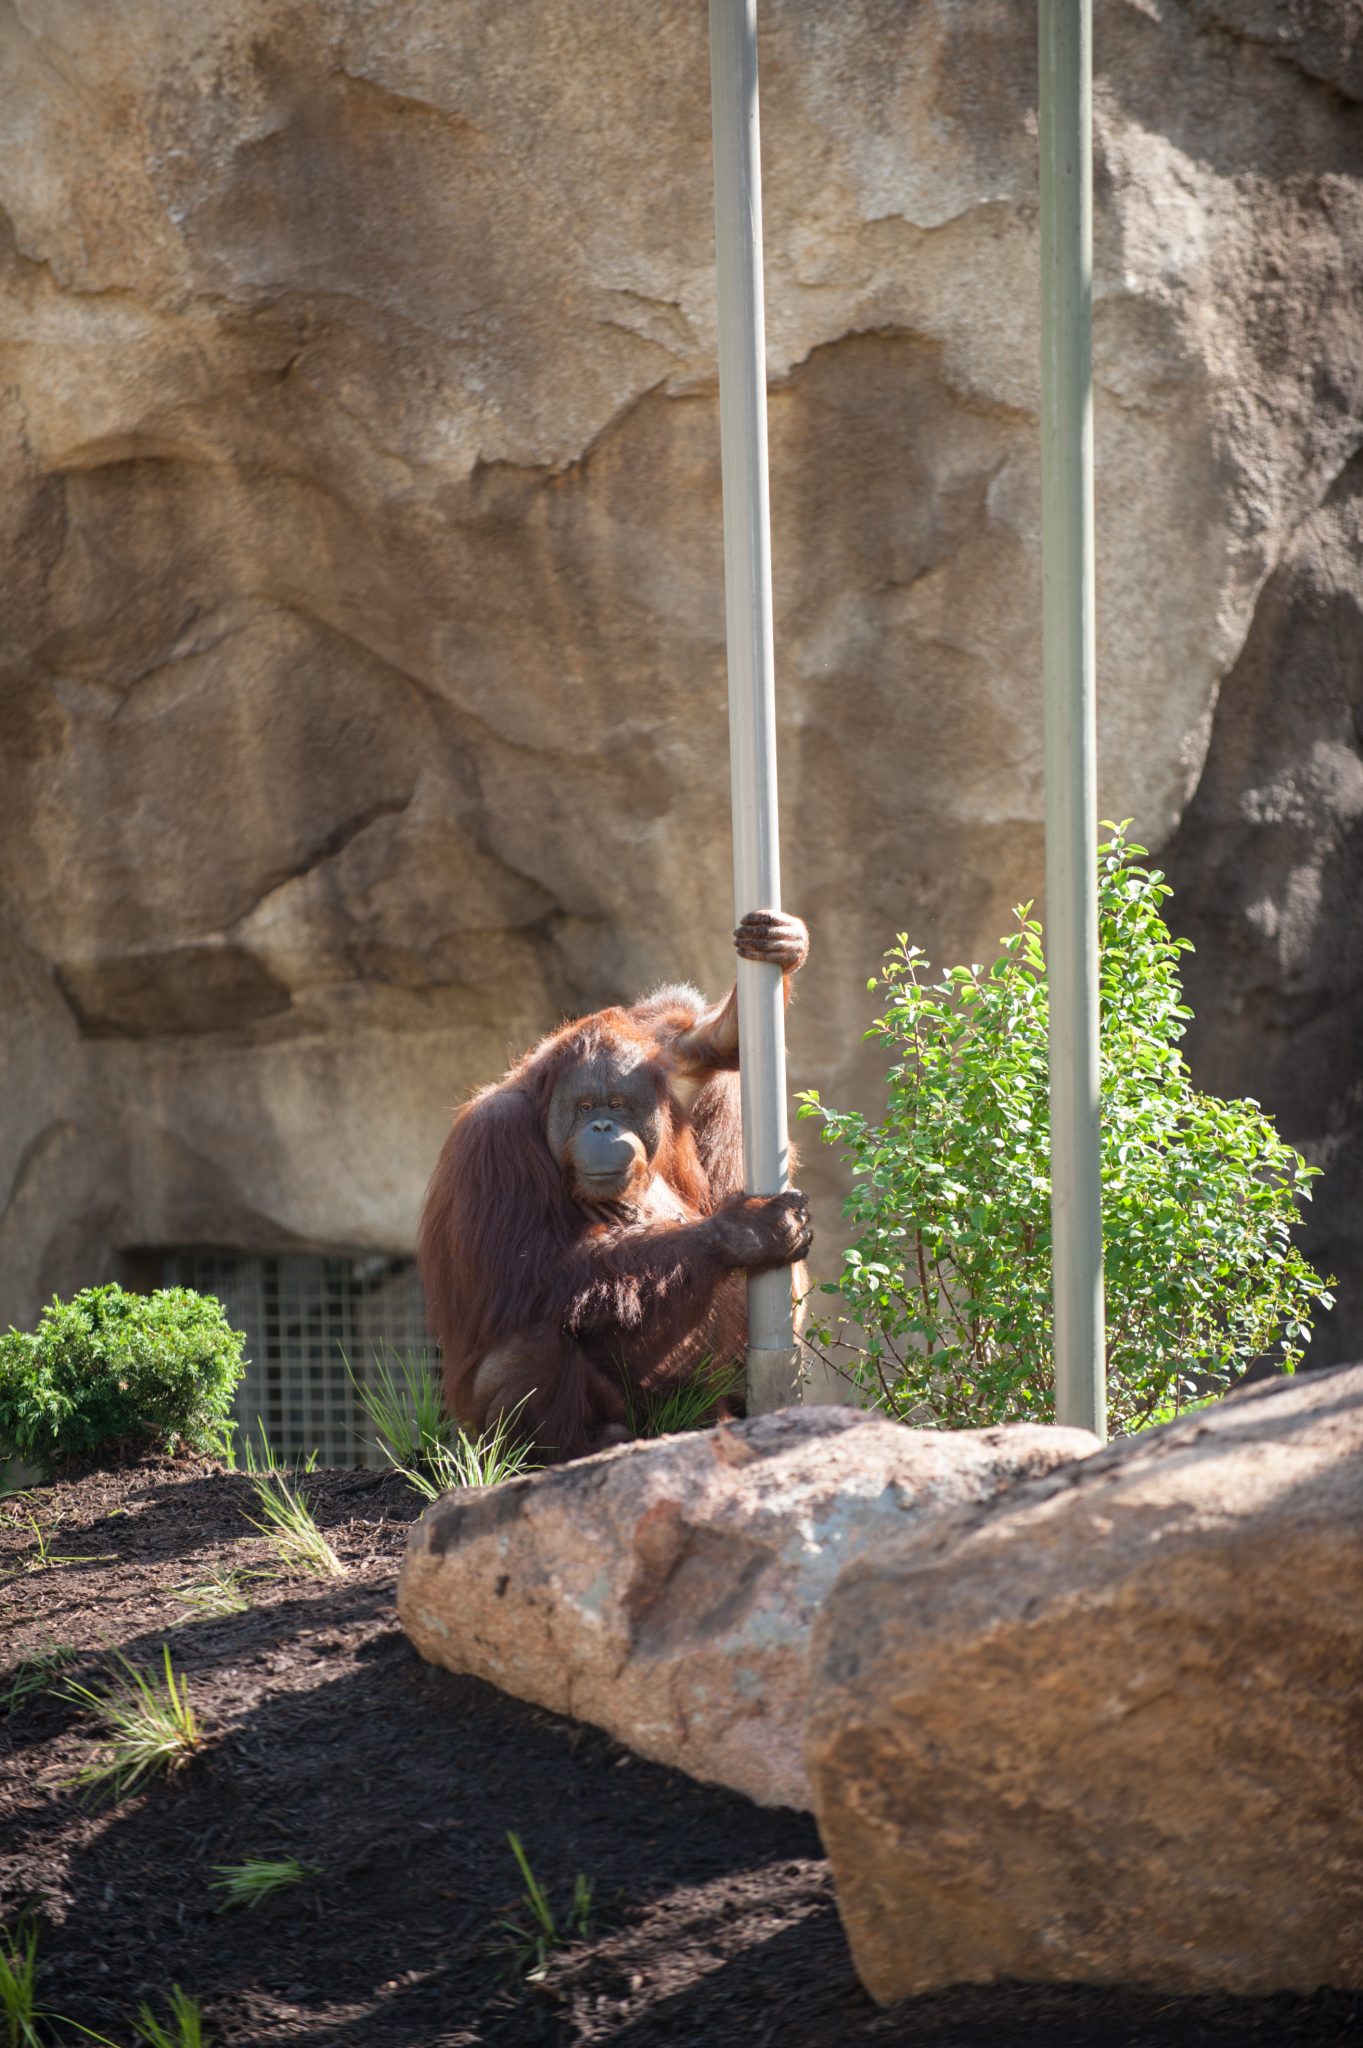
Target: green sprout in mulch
{"x": 258, "y": 1454}
{"x": 401, "y": 1397}
{"x": 258, "y": 1878}
{"x": 150, "y": 1726}
{"x": 532, "y": 1934}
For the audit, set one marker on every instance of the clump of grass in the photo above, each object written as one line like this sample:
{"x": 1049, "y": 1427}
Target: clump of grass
{"x": 259, "y": 1877}
{"x": 532, "y": 1934}
{"x": 186, "y": 2023}
{"x": 35, "y": 1673}
{"x": 19, "y": 1985}
{"x": 293, "y": 1534}
{"x": 400, "y": 1394}
{"x": 686, "y": 1405}
{"x": 149, "y": 1722}
{"x": 465, "y": 1460}
{"x": 403, "y": 1401}
{"x": 221, "y": 1593}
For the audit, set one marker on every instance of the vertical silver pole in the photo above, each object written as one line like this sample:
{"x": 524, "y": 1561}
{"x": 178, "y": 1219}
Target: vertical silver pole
{"x": 1065, "y": 119}
{"x": 752, "y": 675}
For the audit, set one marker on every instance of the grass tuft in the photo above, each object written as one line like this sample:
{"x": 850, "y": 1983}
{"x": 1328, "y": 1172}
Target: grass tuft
{"x": 259, "y": 1456}
{"x": 186, "y": 2023}
{"x": 465, "y": 1460}
{"x": 259, "y": 1877}
{"x": 533, "y": 1935}
{"x": 294, "y": 1536}
{"x": 20, "y": 2011}
{"x": 404, "y": 1403}
{"x": 19, "y": 1986}
{"x": 688, "y": 1404}
{"x": 149, "y": 1722}
{"x": 401, "y": 1396}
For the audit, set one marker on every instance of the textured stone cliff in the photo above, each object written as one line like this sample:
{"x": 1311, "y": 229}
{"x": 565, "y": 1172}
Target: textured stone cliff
{"x": 362, "y": 706}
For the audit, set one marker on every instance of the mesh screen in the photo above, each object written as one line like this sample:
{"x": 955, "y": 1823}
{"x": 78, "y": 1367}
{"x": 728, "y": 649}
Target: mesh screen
{"x": 303, "y": 1317}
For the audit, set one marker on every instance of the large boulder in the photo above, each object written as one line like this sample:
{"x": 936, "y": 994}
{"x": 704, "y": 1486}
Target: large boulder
{"x": 362, "y": 699}
{"x": 665, "y": 1591}
{"x": 1108, "y": 1727}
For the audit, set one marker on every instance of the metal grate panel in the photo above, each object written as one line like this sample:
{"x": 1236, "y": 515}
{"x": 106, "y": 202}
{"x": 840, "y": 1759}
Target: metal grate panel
{"x": 304, "y": 1315}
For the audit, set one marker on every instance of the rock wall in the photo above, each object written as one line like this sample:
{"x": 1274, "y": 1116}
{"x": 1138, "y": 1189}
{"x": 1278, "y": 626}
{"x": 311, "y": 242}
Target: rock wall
{"x": 1268, "y": 865}
{"x": 363, "y": 689}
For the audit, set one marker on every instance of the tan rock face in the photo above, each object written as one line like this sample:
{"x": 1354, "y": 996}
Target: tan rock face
{"x": 1107, "y": 1727}
{"x": 666, "y": 1590}
{"x": 362, "y": 698}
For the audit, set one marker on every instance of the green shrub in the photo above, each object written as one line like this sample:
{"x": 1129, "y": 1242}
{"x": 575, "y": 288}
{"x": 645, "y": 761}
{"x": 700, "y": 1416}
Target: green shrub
{"x": 107, "y": 1365}
{"x": 948, "y": 1284}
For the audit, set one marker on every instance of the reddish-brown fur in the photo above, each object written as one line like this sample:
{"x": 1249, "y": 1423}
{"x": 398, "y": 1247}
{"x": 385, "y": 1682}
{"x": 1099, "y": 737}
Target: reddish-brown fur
{"x": 537, "y": 1298}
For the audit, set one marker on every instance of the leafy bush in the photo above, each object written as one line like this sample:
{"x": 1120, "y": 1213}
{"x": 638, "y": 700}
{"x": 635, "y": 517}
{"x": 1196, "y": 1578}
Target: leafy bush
{"x": 948, "y": 1285}
{"x": 107, "y": 1365}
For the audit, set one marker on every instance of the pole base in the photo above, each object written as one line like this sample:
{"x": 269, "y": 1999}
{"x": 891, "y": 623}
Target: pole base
{"x": 773, "y": 1380}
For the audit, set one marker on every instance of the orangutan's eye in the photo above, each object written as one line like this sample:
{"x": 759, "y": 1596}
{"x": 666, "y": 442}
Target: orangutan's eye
{"x": 584, "y": 1102}
{"x": 617, "y": 1102}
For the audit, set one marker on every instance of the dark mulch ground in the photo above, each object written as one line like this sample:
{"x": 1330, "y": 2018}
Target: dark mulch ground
{"x": 331, "y": 1742}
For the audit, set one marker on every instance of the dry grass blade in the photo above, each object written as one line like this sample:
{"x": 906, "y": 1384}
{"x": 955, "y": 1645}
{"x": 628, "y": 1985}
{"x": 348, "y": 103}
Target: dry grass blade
{"x": 294, "y": 1536}
{"x": 220, "y": 1594}
{"x": 45, "y": 1560}
{"x": 150, "y": 1726}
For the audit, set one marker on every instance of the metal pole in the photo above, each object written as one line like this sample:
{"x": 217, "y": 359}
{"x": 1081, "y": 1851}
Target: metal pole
{"x": 1065, "y": 121}
{"x": 752, "y": 674}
